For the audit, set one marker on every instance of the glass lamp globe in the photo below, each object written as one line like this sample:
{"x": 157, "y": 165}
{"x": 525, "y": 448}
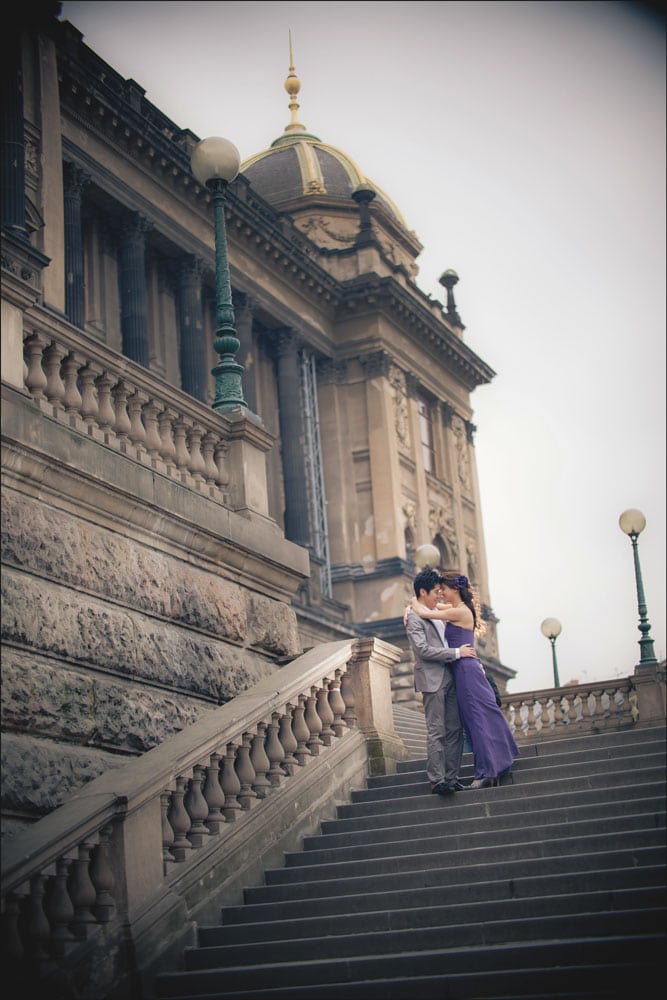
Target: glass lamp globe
{"x": 427, "y": 555}
{"x": 632, "y": 522}
{"x": 551, "y": 628}
{"x": 215, "y": 158}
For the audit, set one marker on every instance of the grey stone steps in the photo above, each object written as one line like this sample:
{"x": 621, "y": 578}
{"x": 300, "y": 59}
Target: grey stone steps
{"x": 432, "y": 823}
{"x": 479, "y": 934}
{"x": 549, "y": 886}
{"x": 431, "y": 809}
{"x": 544, "y": 783}
{"x": 630, "y": 856}
{"x": 410, "y": 839}
{"x": 465, "y": 853}
{"x": 434, "y": 913}
{"x": 436, "y": 962}
{"x": 641, "y": 872}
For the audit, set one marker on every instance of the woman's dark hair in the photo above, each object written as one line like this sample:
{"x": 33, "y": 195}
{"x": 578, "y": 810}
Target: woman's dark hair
{"x": 457, "y": 581}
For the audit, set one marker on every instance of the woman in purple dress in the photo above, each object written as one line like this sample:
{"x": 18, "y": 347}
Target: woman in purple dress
{"x": 493, "y": 745}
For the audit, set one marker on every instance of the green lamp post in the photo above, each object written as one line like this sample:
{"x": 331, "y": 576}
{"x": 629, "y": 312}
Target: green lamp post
{"x": 551, "y": 628}
{"x": 215, "y": 163}
{"x": 633, "y": 522}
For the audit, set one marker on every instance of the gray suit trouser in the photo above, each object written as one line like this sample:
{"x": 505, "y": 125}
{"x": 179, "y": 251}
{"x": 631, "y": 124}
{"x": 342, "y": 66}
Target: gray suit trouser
{"x": 444, "y": 733}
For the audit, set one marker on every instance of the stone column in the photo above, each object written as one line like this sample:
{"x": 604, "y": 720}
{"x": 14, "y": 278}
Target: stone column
{"x": 297, "y": 522}
{"x": 74, "y": 181}
{"x": 243, "y": 312}
{"x": 12, "y": 161}
{"x": 193, "y": 352}
{"x": 133, "y": 295}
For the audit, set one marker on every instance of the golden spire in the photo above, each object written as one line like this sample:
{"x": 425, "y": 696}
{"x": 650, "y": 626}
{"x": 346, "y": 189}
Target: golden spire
{"x": 293, "y": 86}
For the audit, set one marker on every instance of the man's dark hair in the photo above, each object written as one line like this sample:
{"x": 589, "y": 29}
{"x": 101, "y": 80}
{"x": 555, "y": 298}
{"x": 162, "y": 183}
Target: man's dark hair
{"x": 426, "y": 580}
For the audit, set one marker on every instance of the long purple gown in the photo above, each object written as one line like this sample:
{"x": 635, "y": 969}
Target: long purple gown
{"x": 493, "y": 745}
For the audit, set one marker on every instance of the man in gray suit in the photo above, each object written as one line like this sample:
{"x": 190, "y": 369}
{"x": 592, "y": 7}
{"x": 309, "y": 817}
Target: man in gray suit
{"x": 434, "y": 678}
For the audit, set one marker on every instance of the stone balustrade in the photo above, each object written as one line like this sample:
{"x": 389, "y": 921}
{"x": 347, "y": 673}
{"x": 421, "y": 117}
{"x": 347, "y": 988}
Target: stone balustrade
{"x": 585, "y": 707}
{"x": 115, "y": 849}
{"x": 77, "y": 381}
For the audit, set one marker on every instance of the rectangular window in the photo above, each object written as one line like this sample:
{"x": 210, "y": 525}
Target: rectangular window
{"x": 426, "y": 434}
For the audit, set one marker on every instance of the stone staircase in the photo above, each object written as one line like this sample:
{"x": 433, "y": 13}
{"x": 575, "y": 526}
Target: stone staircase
{"x": 551, "y": 885}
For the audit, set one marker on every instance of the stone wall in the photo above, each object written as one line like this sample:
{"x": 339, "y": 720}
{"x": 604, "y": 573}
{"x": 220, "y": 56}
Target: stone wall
{"x": 111, "y": 644}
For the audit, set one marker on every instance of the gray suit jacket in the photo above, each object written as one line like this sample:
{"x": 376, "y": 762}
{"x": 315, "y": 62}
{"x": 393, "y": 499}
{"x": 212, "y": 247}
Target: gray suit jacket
{"x": 431, "y": 656}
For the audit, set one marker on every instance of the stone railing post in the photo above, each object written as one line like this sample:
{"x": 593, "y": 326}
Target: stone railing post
{"x": 370, "y": 670}
{"x": 649, "y": 683}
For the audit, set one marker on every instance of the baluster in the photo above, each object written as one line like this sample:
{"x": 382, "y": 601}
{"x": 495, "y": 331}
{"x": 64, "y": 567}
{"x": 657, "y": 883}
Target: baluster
{"x": 167, "y": 446}
{"x": 231, "y": 785}
{"x": 101, "y": 875}
{"x": 219, "y": 456}
{"x": 196, "y": 807}
{"x": 180, "y": 822}
{"x": 38, "y": 928}
{"x": 591, "y": 701}
{"x": 35, "y": 379}
{"x": 260, "y": 762}
{"x": 105, "y": 410}
{"x": 301, "y": 732}
{"x": 565, "y": 710}
{"x": 551, "y": 713}
{"x": 578, "y": 706}
{"x": 121, "y": 424}
{"x": 314, "y": 724}
{"x": 537, "y": 715}
{"x": 58, "y": 907}
{"x": 326, "y": 715}
{"x": 137, "y": 432}
{"x": 512, "y": 719}
{"x": 72, "y": 396}
{"x": 619, "y": 701}
{"x": 524, "y": 714}
{"x": 196, "y": 465}
{"x": 181, "y": 457}
{"x": 214, "y": 795}
{"x": 245, "y": 773}
{"x": 88, "y": 395}
{"x": 82, "y": 892}
{"x": 55, "y": 387}
{"x": 167, "y": 832}
{"x": 275, "y": 752}
{"x": 12, "y": 943}
{"x": 288, "y": 741}
{"x": 347, "y": 693}
{"x": 337, "y": 706}
{"x": 153, "y": 442}
{"x": 605, "y": 702}
{"x": 210, "y": 468}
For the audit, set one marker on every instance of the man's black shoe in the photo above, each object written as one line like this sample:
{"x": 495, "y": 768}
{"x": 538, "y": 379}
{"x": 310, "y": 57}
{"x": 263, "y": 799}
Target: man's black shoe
{"x": 443, "y": 788}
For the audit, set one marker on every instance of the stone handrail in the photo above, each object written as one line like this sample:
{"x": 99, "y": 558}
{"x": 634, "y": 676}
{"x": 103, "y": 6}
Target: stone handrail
{"x": 123, "y": 842}
{"x": 594, "y": 705}
{"x": 78, "y": 381}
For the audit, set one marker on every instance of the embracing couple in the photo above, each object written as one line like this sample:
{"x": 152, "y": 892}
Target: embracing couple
{"x": 441, "y": 622}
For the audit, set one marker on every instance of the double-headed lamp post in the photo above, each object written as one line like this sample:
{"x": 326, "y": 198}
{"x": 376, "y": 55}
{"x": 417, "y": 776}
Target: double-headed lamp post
{"x": 215, "y": 163}
{"x": 633, "y": 522}
{"x": 427, "y": 556}
{"x": 551, "y": 628}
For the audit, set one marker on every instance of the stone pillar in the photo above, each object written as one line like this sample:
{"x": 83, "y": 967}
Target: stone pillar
{"x": 193, "y": 352}
{"x": 12, "y": 157}
{"x": 243, "y": 313}
{"x": 133, "y": 295}
{"x": 297, "y": 521}
{"x": 74, "y": 181}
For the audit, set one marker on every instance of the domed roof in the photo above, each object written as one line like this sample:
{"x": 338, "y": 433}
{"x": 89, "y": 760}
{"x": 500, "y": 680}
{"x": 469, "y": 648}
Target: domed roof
{"x": 299, "y": 165}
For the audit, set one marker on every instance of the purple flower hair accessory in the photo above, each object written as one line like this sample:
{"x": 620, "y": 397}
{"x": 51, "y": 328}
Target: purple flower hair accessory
{"x": 462, "y": 581}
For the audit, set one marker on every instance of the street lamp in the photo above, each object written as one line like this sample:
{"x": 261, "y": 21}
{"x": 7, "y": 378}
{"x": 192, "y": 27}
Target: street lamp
{"x": 215, "y": 163}
{"x": 551, "y": 628}
{"x": 427, "y": 556}
{"x": 633, "y": 522}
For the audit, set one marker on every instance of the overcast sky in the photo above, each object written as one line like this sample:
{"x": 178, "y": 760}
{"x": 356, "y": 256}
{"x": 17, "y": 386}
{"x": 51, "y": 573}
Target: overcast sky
{"x": 525, "y": 145}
